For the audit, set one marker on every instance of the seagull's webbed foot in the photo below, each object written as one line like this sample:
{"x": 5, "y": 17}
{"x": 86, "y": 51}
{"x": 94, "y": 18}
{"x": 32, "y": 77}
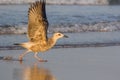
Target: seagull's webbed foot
{"x": 38, "y": 58}
{"x": 20, "y": 58}
{"x": 22, "y": 55}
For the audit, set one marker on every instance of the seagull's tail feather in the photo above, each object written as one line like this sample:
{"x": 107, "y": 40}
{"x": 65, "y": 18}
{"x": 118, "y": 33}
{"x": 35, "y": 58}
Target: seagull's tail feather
{"x": 26, "y": 45}
{"x": 16, "y": 44}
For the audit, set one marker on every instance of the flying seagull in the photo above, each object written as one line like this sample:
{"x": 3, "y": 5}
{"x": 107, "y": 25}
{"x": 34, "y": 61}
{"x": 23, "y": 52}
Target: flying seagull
{"x": 37, "y": 31}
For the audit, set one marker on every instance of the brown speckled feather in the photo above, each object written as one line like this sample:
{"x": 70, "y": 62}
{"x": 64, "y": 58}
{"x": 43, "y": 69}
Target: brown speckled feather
{"x": 37, "y": 22}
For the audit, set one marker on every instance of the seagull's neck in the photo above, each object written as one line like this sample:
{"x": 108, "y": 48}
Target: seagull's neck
{"x": 52, "y": 41}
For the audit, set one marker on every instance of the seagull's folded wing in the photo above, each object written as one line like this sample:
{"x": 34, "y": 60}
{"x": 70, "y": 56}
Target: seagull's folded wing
{"x": 37, "y": 22}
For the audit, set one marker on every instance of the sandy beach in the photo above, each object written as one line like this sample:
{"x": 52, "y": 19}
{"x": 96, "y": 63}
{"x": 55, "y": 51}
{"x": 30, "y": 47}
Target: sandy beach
{"x": 93, "y": 63}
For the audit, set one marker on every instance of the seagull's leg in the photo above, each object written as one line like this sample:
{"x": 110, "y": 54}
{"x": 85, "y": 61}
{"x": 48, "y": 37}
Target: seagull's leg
{"x": 23, "y": 54}
{"x": 38, "y": 58}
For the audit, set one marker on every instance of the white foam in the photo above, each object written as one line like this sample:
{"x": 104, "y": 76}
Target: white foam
{"x": 97, "y": 27}
{"x": 13, "y": 30}
{"x": 68, "y": 28}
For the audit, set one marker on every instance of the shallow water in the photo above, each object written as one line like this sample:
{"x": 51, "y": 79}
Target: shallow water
{"x": 85, "y": 39}
{"x": 63, "y": 64}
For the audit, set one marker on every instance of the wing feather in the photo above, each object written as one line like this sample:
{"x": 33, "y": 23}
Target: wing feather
{"x": 37, "y": 22}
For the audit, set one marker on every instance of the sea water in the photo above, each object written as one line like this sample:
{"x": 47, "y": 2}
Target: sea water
{"x": 84, "y": 24}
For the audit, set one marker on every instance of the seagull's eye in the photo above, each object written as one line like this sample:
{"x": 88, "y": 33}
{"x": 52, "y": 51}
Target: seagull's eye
{"x": 59, "y": 34}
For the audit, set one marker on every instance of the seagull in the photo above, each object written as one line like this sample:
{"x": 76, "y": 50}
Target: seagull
{"x": 37, "y": 32}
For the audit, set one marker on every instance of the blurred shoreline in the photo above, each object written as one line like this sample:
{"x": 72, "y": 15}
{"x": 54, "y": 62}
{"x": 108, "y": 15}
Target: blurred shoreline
{"x": 63, "y": 46}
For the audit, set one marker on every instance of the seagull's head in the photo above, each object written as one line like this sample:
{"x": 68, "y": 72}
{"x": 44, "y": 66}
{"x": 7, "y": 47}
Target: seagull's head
{"x": 59, "y": 35}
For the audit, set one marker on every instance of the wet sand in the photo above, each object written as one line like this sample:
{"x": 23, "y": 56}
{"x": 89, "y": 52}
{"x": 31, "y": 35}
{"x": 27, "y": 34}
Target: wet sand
{"x": 92, "y": 63}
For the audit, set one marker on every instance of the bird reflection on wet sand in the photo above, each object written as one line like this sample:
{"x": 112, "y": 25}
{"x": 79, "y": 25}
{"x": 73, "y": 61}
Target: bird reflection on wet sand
{"x": 33, "y": 73}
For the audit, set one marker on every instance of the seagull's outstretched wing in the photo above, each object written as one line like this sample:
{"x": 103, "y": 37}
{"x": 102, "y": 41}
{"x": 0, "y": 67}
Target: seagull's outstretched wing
{"x": 37, "y": 22}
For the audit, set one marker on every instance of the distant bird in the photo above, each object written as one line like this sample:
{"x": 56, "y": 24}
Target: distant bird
{"x": 37, "y": 31}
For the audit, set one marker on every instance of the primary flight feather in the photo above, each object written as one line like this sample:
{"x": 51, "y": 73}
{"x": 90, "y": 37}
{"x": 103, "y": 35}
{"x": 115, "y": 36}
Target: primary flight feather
{"x": 37, "y": 22}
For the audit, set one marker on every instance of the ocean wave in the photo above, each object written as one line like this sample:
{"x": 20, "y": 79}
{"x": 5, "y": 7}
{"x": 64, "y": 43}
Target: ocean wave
{"x": 66, "y": 28}
{"x": 92, "y": 27}
{"x": 12, "y": 29}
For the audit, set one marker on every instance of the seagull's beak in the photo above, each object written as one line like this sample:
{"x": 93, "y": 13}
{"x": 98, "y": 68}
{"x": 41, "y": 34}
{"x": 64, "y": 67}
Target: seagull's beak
{"x": 65, "y": 36}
